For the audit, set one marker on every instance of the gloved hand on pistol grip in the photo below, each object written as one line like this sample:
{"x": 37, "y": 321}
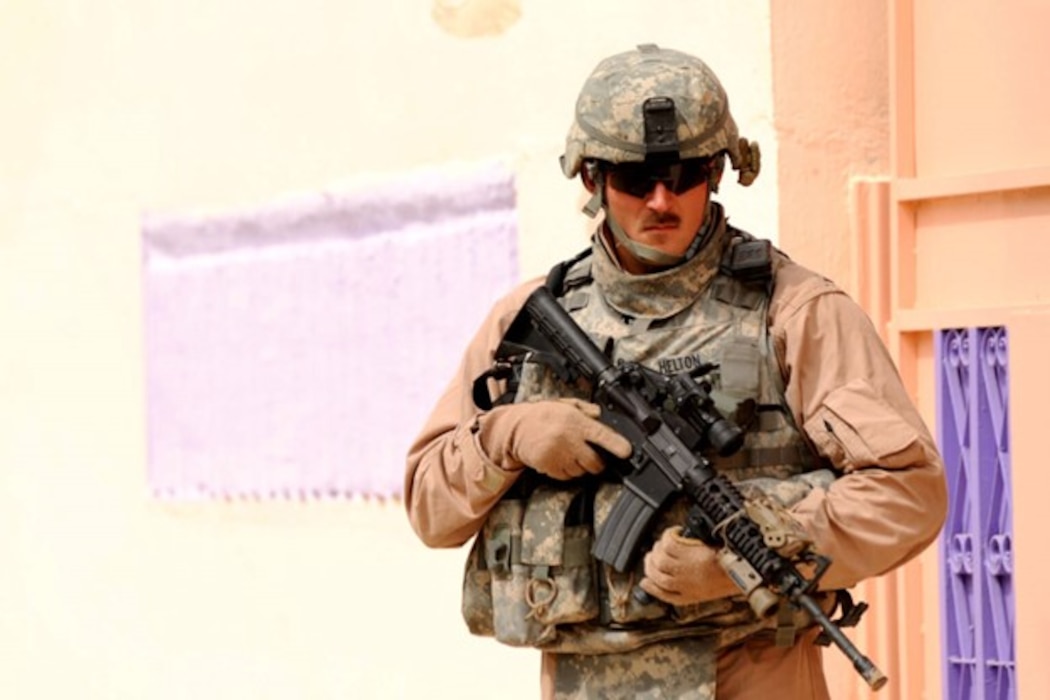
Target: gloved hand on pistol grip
{"x": 556, "y": 437}
{"x": 681, "y": 570}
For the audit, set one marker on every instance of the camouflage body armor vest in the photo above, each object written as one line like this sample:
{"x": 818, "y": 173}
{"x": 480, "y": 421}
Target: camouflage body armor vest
{"x": 530, "y": 579}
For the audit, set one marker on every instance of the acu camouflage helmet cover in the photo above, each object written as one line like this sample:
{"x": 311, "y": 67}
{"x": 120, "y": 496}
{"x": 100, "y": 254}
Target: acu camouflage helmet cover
{"x": 609, "y": 123}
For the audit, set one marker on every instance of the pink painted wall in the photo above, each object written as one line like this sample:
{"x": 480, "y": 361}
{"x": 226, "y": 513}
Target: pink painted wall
{"x": 915, "y": 170}
{"x": 831, "y": 97}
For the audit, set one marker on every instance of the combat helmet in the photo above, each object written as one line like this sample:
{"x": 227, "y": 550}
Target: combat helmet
{"x": 654, "y": 103}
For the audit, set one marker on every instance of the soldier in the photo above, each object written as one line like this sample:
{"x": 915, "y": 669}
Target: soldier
{"x": 830, "y": 434}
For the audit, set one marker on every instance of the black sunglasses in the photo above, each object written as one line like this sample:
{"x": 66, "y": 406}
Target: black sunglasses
{"x": 639, "y": 179}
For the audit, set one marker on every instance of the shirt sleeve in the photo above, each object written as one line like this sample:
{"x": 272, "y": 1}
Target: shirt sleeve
{"x": 450, "y": 484}
{"x": 847, "y": 395}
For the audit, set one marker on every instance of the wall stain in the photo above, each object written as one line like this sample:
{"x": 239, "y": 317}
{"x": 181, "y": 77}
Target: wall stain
{"x": 476, "y": 18}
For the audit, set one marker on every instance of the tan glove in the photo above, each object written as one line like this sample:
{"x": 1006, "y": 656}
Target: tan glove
{"x": 556, "y": 437}
{"x": 682, "y": 570}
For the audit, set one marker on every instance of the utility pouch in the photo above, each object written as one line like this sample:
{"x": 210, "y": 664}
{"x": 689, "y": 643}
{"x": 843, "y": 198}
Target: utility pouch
{"x": 476, "y": 604}
{"x": 530, "y": 569}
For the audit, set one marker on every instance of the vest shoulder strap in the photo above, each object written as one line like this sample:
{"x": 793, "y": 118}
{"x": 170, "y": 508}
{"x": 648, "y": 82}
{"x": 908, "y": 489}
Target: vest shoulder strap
{"x": 747, "y": 258}
{"x": 557, "y": 282}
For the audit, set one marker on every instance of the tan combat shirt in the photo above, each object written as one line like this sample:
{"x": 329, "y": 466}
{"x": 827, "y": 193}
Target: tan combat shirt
{"x": 844, "y": 391}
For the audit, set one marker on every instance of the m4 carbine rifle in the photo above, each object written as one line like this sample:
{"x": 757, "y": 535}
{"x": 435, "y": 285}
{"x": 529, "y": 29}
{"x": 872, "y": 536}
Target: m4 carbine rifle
{"x": 667, "y": 419}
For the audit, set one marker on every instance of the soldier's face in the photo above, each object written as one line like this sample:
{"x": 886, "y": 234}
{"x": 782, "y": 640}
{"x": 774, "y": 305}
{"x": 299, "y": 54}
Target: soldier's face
{"x": 659, "y": 218}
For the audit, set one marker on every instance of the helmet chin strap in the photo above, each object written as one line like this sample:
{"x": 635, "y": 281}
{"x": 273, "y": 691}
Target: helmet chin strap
{"x": 644, "y": 253}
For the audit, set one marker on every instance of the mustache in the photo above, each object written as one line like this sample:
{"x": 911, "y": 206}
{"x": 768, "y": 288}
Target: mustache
{"x": 665, "y": 219}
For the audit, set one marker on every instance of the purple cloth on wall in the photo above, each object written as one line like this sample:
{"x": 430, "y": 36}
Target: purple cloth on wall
{"x": 294, "y": 351}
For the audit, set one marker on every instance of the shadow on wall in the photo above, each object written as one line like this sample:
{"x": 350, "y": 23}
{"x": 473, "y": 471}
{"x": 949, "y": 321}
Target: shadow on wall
{"x": 476, "y": 18}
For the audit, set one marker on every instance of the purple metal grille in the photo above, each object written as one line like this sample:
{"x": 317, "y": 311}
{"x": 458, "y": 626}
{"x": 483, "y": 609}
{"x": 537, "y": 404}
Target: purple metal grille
{"x": 973, "y": 433}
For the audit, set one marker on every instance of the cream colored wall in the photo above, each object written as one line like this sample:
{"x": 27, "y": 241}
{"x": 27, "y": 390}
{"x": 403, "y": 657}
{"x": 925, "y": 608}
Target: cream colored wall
{"x": 112, "y": 110}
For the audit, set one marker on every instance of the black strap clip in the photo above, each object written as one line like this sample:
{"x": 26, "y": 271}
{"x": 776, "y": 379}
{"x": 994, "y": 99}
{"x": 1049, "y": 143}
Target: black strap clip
{"x": 508, "y": 369}
{"x": 851, "y": 614}
{"x": 749, "y": 260}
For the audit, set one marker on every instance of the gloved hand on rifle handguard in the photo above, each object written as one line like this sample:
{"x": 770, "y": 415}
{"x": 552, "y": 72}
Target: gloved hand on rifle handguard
{"x": 681, "y": 570}
{"x": 556, "y": 437}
